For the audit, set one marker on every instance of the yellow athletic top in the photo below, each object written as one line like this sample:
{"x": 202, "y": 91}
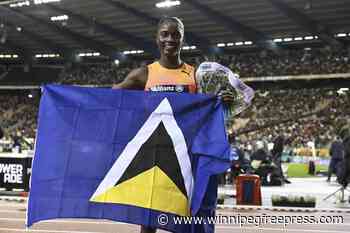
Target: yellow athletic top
{"x": 171, "y": 80}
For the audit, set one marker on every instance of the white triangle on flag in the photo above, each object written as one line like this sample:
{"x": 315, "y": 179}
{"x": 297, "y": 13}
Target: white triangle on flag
{"x": 163, "y": 113}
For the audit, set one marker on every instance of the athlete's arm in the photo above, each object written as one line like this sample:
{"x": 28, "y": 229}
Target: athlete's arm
{"x": 135, "y": 80}
{"x": 197, "y": 81}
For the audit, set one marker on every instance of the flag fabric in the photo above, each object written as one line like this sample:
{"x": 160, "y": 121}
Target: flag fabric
{"x": 125, "y": 155}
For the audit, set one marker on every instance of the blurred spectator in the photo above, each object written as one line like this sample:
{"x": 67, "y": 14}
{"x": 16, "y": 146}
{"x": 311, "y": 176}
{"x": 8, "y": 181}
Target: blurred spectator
{"x": 337, "y": 156}
{"x": 1, "y": 133}
{"x": 276, "y": 152}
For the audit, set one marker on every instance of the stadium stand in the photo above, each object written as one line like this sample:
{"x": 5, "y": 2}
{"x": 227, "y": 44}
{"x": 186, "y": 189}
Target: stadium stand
{"x": 247, "y": 64}
{"x": 270, "y": 105}
{"x": 20, "y": 112}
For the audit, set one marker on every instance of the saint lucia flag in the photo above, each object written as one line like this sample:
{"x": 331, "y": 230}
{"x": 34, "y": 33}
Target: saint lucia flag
{"x": 127, "y": 156}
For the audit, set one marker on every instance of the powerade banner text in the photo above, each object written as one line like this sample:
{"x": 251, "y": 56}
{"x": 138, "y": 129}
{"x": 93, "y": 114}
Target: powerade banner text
{"x": 14, "y": 173}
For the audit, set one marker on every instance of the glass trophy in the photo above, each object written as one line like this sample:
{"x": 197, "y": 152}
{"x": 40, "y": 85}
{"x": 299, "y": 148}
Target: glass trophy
{"x": 216, "y": 79}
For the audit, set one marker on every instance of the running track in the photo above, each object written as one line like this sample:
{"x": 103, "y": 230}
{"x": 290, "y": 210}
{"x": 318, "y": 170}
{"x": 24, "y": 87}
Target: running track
{"x": 12, "y": 220}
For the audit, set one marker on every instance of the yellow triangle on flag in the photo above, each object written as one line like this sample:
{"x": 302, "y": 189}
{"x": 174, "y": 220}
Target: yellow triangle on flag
{"x": 151, "y": 189}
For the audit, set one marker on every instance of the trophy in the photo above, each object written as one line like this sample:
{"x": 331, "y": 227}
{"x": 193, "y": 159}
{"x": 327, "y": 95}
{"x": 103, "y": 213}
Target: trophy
{"x": 216, "y": 79}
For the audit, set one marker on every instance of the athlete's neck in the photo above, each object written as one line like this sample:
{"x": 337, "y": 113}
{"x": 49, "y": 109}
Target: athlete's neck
{"x": 170, "y": 62}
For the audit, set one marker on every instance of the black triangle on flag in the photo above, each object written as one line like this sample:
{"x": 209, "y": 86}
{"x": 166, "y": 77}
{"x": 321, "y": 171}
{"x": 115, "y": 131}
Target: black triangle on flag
{"x": 157, "y": 151}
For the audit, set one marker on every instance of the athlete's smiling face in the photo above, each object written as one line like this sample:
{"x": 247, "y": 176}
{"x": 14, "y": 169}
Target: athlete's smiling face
{"x": 170, "y": 38}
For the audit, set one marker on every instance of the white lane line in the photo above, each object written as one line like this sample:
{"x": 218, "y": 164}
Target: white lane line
{"x": 12, "y": 211}
{"x": 103, "y": 221}
{"x": 225, "y": 212}
{"x": 50, "y": 231}
{"x": 243, "y": 207}
{"x": 13, "y": 204}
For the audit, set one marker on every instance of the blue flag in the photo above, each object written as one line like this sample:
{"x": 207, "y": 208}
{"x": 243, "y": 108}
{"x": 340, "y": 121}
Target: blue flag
{"x": 123, "y": 155}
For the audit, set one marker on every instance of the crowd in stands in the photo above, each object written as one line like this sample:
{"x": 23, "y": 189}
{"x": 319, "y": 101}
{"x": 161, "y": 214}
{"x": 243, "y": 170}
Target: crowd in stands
{"x": 93, "y": 74}
{"x": 288, "y": 62}
{"x": 19, "y": 113}
{"x": 274, "y": 106}
{"x": 247, "y": 64}
{"x": 18, "y": 118}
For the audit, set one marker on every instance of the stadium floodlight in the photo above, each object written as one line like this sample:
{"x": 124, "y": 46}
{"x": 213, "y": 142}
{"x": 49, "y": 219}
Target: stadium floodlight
{"x": 94, "y": 54}
{"x": 133, "y": 52}
{"x": 342, "y": 90}
{"x": 221, "y": 44}
{"x": 167, "y": 4}
{"x": 277, "y": 40}
{"x": 59, "y": 18}
{"x": 298, "y": 38}
{"x": 8, "y": 56}
{"x": 20, "y": 4}
{"x": 341, "y": 35}
{"x": 51, "y": 55}
{"x": 38, "y": 2}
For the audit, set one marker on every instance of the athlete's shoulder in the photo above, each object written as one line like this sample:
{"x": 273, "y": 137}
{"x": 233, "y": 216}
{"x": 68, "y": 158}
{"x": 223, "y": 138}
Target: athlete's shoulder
{"x": 188, "y": 69}
{"x": 153, "y": 65}
{"x": 188, "y": 66}
{"x": 139, "y": 73}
